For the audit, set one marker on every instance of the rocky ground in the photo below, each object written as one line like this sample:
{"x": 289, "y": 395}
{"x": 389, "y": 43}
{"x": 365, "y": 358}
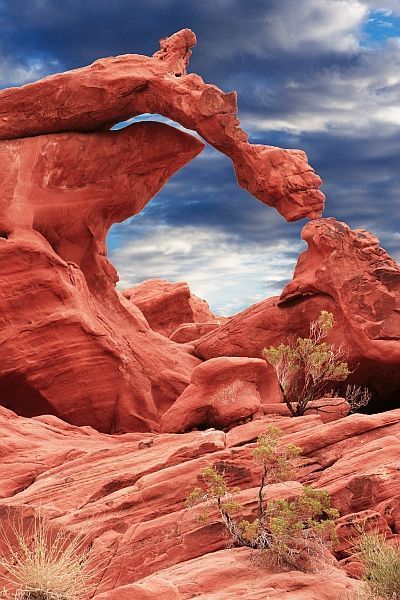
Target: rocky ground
{"x": 129, "y": 491}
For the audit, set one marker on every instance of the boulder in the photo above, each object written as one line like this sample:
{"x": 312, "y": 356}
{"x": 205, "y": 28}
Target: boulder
{"x": 222, "y": 391}
{"x": 167, "y": 306}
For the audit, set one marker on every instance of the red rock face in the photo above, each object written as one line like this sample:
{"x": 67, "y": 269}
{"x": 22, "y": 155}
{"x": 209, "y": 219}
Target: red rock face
{"x": 346, "y": 273}
{"x": 192, "y": 331}
{"x": 72, "y": 187}
{"x": 167, "y": 306}
{"x": 73, "y": 347}
{"x": 69, "y": 346}
{"x": 238, "y": 577}
{"x": 114, "y": 89}
{"x": 129, "y": 491}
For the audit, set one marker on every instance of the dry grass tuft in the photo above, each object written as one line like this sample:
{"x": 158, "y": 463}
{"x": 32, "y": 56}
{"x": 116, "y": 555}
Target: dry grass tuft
{"x": 42, "y": 564}
{"x": 381, "y": 562}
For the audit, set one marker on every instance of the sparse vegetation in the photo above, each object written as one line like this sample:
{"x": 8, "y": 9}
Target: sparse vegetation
{"x": 283, "y": 529}
{"x": 306, "y": 366}
{"x": 381, "y": 563}
{"x": 43, "y": 565}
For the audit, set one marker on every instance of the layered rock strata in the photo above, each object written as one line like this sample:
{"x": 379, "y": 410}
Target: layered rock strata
{"x": 128, "y": 493}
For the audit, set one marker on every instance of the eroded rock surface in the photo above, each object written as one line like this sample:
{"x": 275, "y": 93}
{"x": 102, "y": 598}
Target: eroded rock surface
{"x": 129, "y": 491}
{"x": 230, "y": 575}
{"x": 222, "y": 391}
{"x": 347, "y": 273}
{"x": 70, "y": 346}
{"x": 167, "y": 305}
{"x": 115, "y": 89}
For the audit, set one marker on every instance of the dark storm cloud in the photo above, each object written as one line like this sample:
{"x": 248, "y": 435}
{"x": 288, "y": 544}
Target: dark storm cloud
{"x": 318, "y": 75}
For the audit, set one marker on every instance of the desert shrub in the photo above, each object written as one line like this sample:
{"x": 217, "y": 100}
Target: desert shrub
{"x": 283, "y": 528}
{"x": 381, "y": 564}
{"x": 43, "y": 565}
{"x": 306, "y": 366}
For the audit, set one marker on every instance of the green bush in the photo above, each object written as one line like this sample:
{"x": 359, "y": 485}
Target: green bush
{"x": 305, "y": 367}
{"x": 283, "y": 529}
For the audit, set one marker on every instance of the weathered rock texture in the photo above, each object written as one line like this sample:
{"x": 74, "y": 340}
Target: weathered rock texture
{"x": 193, "y": 331}
{"x": 221, "y": 392}
{"x": 230, "y": 575}
{"x": 167, "y": 306}
{"x": 72, "y": 187}
{"x": 128, "y": 492}
{"x": 71, "y": 345}
{"x": 115, "y": 89}
{"x": 342, "y": 271}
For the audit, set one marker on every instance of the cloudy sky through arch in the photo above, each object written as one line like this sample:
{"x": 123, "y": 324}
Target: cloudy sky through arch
{"x": 321, "y": 75}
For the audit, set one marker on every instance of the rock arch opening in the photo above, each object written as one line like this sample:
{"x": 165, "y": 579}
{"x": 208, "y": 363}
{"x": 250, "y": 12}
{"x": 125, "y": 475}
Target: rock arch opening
{"x": 204, "y": 229}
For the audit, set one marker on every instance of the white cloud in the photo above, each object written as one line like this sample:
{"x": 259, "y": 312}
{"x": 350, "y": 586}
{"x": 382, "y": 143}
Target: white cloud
{"x": 363, "y": 97}
{"x": 14, "y": 73}
{"x": 329, "y": 24}
{"x": 385, "y": 7}
{"x": 230, "y": 276}
{"x": 286, "y": 25}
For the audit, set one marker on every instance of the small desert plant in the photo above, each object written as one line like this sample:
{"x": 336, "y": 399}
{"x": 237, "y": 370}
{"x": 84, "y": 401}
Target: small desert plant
{"x": 283, "y": 528}
{"x": 381, "y": 564}
{"x": 43, "y": 565}
{"x": 305, "y": 367}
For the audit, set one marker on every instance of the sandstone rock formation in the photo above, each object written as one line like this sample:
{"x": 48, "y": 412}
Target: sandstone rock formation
{"x": 167, "y": 306}
{"x": 193, "y": 331}
{"x": 115, "y": 89}
{"x": 131, "y": 363}
{"x": 128, "y": 492}
{"x": 221, "y": 392}
{"x": 72, "y": 187}
{"x": 342, "y": 271}
{"x": 71, "y": 345}
{"x": 328, "y": 409}
{"x": 230, "y": 575}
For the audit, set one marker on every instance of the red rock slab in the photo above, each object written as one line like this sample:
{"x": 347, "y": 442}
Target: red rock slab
{"x": 329, "y": 409}
{"x": 350, "y": 527}
{"x": 69, "y": 353}
{"x": 249, "y": 432}
{"x": 366, "y": 477}
{"x": 230, "y": 575}
{"x": 167, "y": 305}
{"x": 347, "y": 273}
{"x": 222, "y": 391}
{"x": 128, "y": 491}
{"x": 192, "y": 331}
{"x": 390, "y": 509}
{"x": 115, "y": 89}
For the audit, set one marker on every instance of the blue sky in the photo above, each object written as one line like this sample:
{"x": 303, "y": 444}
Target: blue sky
{"x": 321, "y": 75}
